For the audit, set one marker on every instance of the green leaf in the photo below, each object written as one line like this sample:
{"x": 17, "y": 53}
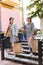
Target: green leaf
{"x": 38, "y": 5}
{"x": 19, "y": 0}
{"x": 32, "y": 5}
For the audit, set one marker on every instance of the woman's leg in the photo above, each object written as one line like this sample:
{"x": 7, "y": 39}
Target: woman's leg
{"x": 13, "y": 47}
{"x": 30, "y": 43}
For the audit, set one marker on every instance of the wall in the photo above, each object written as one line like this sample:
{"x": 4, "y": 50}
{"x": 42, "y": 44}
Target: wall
{"x": 6, "y": 14}
{"x": 0, "y": 18}
{"x": 41, "y": 25}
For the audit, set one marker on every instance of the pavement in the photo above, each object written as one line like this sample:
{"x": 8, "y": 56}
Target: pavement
{"x": 6, "y": 62}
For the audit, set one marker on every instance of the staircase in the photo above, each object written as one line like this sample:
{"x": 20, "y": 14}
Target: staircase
{"x": 24, "y": 57}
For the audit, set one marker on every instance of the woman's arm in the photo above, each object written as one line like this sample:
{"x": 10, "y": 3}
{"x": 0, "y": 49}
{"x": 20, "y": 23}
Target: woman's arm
{"x": 16, "y": 31}
{"x": 32, "y": 28}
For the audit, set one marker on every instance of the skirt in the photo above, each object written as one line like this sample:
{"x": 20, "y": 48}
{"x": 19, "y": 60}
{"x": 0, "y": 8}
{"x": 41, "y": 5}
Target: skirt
{"x": 13, "y": 39}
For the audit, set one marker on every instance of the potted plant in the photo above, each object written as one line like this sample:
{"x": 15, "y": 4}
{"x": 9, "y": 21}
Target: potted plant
{"x": 20, "y": 31}
{"x": 38, "y": 5}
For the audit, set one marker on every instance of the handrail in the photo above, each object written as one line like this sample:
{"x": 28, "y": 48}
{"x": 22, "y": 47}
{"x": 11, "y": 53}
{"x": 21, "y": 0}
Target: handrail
{"x": 1, "y": 32}
{"x": 3, "y": 39}
{"x": 40, "y": 52}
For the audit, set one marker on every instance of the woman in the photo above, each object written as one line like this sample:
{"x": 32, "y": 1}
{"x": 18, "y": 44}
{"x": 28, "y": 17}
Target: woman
{"x": 30, "y": 33}
{"x": 13, "y": 32}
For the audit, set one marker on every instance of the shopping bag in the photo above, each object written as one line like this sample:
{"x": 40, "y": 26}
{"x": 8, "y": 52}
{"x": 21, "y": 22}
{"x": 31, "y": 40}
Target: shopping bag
{"x": 18, "y": 48}
{"x": 34, "y": 45}
{"x": 8, "y": 32}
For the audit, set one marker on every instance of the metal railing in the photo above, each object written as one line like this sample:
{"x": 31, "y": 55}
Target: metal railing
{"x": 40, "y": 52}
{"x": 2, "y": 48}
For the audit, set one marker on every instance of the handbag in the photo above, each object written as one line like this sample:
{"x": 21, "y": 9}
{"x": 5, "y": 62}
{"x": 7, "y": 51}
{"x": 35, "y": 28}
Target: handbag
{"x": 34, "y": 45}
{"x": 8, "y": 32}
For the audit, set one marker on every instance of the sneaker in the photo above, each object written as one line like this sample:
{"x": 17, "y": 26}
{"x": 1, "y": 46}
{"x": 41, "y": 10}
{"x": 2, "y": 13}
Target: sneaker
{"x": 30, "y": 54}
{"x": 14, "y": 56}
{"x": 10, "y": 53}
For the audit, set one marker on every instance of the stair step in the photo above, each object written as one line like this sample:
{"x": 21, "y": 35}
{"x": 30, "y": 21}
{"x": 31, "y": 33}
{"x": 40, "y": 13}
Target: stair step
{"x": 22, "y": 60}
{"x": 24, "y": 43}
{"x": 27, "y": 56}
{"x": 25, "y": 47}
{"x": 24, "y": 51}
{"x": 28, "y": 51}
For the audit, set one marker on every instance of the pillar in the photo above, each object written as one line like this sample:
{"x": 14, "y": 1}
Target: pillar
{"x": 0, "y": 16}
{"x": 41, "y": 24}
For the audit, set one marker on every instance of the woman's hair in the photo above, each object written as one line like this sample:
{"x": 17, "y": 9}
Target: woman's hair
{"x": 29, "y": 18}
{"x": 10, "y": 19}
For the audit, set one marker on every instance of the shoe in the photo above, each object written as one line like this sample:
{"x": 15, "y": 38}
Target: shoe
{"x": 12, "y": 56}
{"x": 10, "y": 53}
{"x": 30, "y": 54}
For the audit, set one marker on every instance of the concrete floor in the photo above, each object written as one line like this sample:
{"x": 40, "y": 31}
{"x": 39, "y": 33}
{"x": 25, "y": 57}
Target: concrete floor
{"x": 5, "y": 62}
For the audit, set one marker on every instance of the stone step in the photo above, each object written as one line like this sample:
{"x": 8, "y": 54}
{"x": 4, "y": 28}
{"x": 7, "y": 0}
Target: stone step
{"x": 28, "y": 51}
{"x": 24, "y": 43}
{"x": 27, "y": 56}
{"x": 25, "y": 47}
{"x": 25, "y": 51}
{"x": 22, "y": 60}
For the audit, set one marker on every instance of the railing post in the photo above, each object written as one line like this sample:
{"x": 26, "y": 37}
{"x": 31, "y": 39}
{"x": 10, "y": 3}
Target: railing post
{"x": 2, "y": 50}
{"x": 40, "y": 52}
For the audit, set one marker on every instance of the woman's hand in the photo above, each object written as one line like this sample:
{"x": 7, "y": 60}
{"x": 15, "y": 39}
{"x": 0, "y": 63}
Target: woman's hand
{"x": 33, "y": 36}
{"x": 17, "y": 38}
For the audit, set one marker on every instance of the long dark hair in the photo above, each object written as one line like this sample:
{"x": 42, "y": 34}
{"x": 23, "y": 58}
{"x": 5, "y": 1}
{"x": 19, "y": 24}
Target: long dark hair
{"x": 10, "y": 19}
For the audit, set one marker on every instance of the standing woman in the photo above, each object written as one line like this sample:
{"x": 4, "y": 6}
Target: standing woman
{"x": 13, "y": 33}
{"x": 30, "y": 33}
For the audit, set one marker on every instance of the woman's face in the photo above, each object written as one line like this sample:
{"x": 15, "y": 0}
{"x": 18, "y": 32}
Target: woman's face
{"x": 28, "y": 20}
{"x": 12, "y": 20}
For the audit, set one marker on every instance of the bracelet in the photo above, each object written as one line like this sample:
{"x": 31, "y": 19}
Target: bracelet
{"x": 16, "y": 36}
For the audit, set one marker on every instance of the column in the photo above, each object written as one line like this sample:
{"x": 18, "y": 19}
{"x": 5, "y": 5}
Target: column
{"x": 0, "y": 16}
{"x": 41, "y": 25}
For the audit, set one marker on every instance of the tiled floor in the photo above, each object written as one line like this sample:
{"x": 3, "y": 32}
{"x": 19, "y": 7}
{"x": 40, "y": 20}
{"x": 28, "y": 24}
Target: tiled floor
{"x": 5, "y": 62}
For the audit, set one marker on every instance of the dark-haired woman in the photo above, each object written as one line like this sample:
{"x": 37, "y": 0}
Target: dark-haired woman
{"x": 13, "y": 33}
{"x": 30, "y": 33}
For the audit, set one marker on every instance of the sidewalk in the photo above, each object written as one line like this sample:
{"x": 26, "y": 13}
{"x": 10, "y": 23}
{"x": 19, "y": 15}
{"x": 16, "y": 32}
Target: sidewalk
{"x": 6, "y": 62}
